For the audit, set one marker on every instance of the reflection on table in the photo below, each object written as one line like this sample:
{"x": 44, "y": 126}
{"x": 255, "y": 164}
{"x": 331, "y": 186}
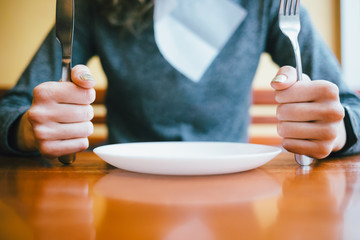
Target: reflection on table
{"x": 41, "y": 199}
{"x": 184, "y": 207}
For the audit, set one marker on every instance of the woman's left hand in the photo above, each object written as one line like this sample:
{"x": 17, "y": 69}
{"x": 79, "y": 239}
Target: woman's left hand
{"x": 310, "y": 114}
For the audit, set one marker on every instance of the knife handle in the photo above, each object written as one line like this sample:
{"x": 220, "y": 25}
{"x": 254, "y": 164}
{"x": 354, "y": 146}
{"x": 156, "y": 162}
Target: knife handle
{"x": 67, "y": 159}
{"x": 65, "y": 70}
{"x": 303, "y": 160}
{"x": 65, "y": 77}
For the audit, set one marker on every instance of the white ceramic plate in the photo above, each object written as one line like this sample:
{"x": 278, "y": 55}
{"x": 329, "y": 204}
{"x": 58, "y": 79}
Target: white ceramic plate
{"x": 187, "y": 158}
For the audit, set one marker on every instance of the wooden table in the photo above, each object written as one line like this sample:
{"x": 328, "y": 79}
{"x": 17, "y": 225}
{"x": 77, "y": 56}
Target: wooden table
{"x": 42, "y": 199}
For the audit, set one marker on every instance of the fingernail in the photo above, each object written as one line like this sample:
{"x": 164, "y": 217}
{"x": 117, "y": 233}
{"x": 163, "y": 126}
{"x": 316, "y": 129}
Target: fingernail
{"x": 86, "y": 77}
{"x": 280, "y": 78}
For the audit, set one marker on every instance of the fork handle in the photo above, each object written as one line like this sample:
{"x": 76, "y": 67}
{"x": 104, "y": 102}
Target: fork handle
{"x": 302, "y": 160}
{"x": 296, "y": 47}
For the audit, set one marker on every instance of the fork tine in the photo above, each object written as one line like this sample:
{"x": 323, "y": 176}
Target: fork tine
{"x": 282, "y": 8}
{"x": 297, "y": 8}
{"x": 288, "y": 7}
{"x": 292, "y": 7}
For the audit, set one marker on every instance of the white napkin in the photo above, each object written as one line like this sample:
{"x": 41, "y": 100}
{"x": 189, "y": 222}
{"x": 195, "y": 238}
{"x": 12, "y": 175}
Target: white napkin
{"x": 191, "y": 33}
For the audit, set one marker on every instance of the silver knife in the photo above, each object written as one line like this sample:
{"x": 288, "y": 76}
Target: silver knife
{"x": 64, "y": 34}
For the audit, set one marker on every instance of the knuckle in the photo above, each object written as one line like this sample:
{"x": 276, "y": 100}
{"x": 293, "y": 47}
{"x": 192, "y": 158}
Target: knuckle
{"x": 42, "y": 91}
{"x": 334, "y": 112}
{"x": 278, "y": 97}
{"x": 333, "y": 91}
{"x": 280, "y": 129}
{"x": 90, "y": 112}
{"x": 86, "y": 113}
{"x": 46, "y": 149}
{"x": 83, "y": 144}
{"x": 280, "y": 110}
{"x": 323, "y": 150}
{"x": 38, "y": 92}
{"x": 330, "y": 132}
{"x": 90, "y": 95}
{"x": 89, "y": 129}
{"x": 339, "y": 112}
{"x": 286, "y": 144}
{"x": 40, "y": 132}
{"x": 38, "y": 114}
{"x": 93, "y": 95}
{"x": 329, "y": 90}
{"x": 34, "y": 114}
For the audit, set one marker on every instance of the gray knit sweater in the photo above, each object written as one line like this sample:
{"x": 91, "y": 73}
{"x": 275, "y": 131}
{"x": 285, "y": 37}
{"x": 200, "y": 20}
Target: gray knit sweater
{"x": 148, "y": 100}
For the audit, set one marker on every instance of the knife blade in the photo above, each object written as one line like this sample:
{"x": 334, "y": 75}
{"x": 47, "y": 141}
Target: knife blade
{"x": 64, "y": 28}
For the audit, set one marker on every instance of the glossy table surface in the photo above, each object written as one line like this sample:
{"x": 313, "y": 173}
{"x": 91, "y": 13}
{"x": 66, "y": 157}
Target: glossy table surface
{"x": 42, "y": 199}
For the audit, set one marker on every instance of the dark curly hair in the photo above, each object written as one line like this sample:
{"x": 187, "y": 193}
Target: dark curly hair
{"x": 131, "y": 15}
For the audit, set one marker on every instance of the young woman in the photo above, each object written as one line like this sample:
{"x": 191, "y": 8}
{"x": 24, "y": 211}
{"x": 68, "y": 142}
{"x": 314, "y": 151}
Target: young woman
{"x": 149, "y": 100}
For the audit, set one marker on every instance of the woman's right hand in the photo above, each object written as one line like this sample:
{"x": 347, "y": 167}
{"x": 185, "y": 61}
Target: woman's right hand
{"x": 59, "y": 120}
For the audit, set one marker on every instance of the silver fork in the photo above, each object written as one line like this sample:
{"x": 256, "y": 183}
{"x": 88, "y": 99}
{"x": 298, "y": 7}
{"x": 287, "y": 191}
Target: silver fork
{"x": 289, "y": 23}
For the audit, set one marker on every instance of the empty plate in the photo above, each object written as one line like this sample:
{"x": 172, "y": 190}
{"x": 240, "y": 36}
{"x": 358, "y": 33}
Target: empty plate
{"x": 187, "y": 158}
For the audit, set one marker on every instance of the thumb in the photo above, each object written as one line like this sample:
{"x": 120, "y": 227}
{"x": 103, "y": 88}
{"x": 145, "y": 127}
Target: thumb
{"x": 82, "y": 77}
{"x": 285, "y": 78}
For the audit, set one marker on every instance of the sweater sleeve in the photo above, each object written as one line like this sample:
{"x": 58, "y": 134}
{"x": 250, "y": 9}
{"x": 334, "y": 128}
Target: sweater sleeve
{"x": 45, "y": 66}
{"x": 318, "y": 63}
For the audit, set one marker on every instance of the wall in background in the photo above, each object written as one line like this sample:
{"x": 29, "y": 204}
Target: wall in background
{"x": 350, "y": 39}
{"x": 24, "y": 24}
